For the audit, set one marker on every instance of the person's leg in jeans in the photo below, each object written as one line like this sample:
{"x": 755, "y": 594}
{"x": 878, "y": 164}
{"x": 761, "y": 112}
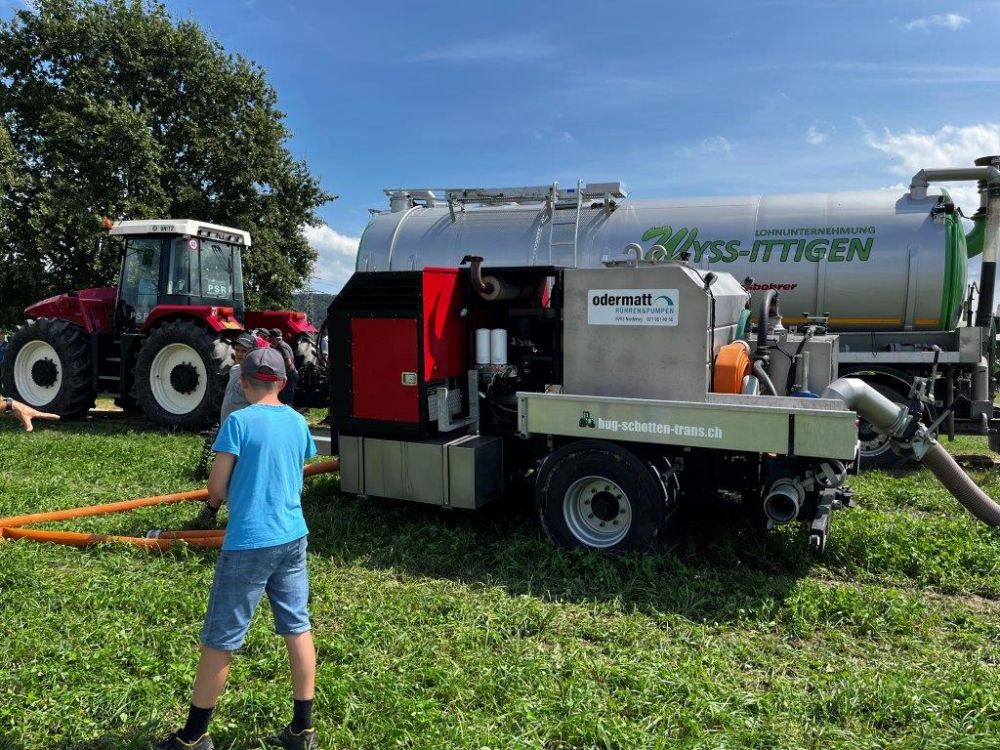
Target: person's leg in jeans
{"x": 288, "y": 592}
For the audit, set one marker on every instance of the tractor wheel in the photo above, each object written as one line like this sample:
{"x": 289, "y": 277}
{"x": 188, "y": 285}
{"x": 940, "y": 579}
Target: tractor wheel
{"x": 599, "y": 496}
{"x": 48, "y": 366}
{"x": 181, "y": 373}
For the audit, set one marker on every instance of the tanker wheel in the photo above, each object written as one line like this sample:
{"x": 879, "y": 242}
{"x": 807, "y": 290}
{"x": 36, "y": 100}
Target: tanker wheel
{"x": 48, "y": 366}
{"x": 599, "y": 496}
{"x": 874, "y": 451}
{"x": 181, "y": 374}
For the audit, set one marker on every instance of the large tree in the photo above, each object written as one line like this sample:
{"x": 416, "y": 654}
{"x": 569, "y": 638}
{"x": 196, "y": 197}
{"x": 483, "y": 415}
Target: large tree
{"x": 116, "y": 109}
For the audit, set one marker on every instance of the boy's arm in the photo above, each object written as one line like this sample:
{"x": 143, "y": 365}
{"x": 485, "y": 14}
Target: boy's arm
{"x": 218, "y": 480}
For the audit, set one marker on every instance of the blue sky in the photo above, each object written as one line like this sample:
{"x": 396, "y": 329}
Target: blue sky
{"x": 672, "y": 98}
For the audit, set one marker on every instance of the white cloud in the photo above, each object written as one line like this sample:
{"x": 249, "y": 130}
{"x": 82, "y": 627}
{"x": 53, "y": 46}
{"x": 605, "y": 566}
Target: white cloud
{"x": 815, "y": 136}
{"x": 715, "y": 144}
{"x": 951, "y": 21}
{"x": 950, "y": 146}
{"x": 510, "y": 48}
{"x": 337, "y": 253}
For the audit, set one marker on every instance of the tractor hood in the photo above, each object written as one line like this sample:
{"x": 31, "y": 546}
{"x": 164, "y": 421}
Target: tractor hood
{"x": 91, "y": 309}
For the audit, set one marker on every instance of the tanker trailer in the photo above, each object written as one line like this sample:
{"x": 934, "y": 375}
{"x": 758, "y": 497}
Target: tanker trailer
{"x": 885, "y": 269}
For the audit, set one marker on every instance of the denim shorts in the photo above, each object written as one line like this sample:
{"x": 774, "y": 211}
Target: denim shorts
{"x": 241, "y": 577}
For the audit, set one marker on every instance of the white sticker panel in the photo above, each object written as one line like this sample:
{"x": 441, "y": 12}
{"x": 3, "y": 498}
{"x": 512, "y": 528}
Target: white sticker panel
{"x": 632, "y": 307}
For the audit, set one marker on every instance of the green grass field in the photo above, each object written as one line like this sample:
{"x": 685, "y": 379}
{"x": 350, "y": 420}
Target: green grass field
{"x": 472, "y": 631}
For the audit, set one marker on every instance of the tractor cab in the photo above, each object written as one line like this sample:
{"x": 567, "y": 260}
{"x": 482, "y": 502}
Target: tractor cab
{"x": 177, "y": 263}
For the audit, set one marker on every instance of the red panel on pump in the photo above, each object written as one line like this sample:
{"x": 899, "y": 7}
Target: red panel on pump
{"x": 446, "y": 340}
{"x": 382, "y": 350}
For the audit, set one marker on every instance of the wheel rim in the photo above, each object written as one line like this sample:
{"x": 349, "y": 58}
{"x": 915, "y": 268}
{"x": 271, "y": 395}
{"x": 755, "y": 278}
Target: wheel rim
{"x": 178, "y": 378}
{"x": 37, "y": 373}
{"x": 870, "y": 442}
{"x": 597, "y": 511}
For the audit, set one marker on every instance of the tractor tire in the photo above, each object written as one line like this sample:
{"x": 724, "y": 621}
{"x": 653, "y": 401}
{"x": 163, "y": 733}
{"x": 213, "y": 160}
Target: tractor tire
{"x": 596, "y": 495}
{"x": 181, "y": 373}
{"x": 48, "y": 366}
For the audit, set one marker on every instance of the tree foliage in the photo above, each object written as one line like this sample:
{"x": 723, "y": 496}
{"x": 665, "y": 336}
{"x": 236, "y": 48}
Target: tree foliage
{"x": 116, "y": 109}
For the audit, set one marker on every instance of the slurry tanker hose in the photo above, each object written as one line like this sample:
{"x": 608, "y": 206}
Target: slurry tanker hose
{"x": 908, "y": 436}
{"x": 959, "y": 484}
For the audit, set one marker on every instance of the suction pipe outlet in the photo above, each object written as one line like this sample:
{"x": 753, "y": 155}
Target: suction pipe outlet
{"x": 909, "y": 437}
{"x": 783, "y": 500}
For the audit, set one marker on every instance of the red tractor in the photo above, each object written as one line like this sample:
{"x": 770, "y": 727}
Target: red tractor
{"x": 161, "y": 341}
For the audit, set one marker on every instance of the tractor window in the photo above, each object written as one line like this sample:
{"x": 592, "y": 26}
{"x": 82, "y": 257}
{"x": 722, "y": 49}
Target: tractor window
{"x": 184, "y": 277}
{"x": 140, "y": 283}
{"x": 217, "y": 277}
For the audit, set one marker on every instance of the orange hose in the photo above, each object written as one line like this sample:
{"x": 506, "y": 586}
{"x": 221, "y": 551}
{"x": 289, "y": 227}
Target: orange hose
{"x": 321, "y": 467}
{"x": 191, "y": 534}
{"x": 732, "y": 364}
{"x": 203, "y": 539}
{"x": 97, "y": 510}
{"x": 77, "y": 539}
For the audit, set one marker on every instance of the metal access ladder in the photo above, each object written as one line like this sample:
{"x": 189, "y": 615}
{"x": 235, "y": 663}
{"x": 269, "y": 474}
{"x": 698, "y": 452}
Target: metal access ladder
{"x": 564, "y": 230}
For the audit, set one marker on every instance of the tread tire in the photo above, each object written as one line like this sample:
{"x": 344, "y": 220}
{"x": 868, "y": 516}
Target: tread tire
{"x": 76, "y": 394}
{"x": 646, "y": 495}
{"x": 216, "y": 356}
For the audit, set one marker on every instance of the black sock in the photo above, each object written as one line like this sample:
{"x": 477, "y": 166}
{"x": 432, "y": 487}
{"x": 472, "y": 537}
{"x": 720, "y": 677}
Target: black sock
{"x": 302, "y": 718}
{"x": 197, "y": 723}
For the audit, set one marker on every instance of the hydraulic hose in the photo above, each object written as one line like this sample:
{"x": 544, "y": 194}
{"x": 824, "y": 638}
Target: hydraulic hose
{"x": 894, "y": 420}
{"x": 769, "y": 303}
{"x": 764, "y": 378}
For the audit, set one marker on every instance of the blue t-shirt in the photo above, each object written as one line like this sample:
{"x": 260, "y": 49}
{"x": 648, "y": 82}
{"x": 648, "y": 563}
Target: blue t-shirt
{"x": 265, "y": 490}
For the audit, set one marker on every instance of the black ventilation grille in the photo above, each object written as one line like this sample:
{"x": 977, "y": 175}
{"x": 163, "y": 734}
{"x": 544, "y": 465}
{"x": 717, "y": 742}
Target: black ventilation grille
{"x": 380, "y": 292}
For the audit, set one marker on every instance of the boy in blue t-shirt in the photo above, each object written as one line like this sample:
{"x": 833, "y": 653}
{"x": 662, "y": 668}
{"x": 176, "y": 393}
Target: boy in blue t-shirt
{"x": 258, "y": 471}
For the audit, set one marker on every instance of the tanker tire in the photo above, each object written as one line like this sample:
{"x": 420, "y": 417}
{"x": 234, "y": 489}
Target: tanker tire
{"x": 181, "y": 375}
{"x": 591, "y": 472}
{"x": 48, "y": 340}
{"x": 994, "y": 440}
{"x": 884, "y": 457}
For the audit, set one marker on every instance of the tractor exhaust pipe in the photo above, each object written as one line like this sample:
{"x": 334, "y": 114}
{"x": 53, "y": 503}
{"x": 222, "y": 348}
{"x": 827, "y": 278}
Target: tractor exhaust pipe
{"x": 909, "y": 437}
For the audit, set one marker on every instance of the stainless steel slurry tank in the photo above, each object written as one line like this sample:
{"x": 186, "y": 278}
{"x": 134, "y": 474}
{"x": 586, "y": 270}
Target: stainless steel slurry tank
{"x": 874, "y": 260}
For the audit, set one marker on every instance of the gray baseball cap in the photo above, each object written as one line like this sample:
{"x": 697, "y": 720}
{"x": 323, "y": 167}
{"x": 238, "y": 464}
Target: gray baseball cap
{"x": 264, "y": 364}
{"x": 247, "y": 341}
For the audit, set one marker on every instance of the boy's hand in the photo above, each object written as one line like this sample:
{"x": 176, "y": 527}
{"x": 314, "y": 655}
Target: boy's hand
{"x": 209, "y": 516}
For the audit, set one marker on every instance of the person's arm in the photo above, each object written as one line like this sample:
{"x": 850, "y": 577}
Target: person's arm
{"x": 25, "y": 413}
{"x": 218, "y": 480}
